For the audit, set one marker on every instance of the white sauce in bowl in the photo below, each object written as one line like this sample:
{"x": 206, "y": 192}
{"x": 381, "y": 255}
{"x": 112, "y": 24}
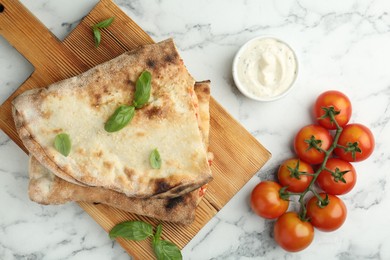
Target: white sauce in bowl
{"x": 265, "y": 68}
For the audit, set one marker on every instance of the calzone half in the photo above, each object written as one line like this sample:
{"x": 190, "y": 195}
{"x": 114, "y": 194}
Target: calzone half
{"x": 47, "y": 188}
{"x": 80, "y": 107}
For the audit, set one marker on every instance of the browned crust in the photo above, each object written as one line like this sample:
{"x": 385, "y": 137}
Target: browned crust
{"x": 180, "y": 209}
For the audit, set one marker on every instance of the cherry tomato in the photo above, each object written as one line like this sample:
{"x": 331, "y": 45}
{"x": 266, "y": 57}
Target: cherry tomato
{"x": 355, "y": 135}
{"x": 266, "y": 202}
{"x": 293, "y": 234}
{"x": 340, "y": 181}
{"x": 337, "y": 101}
{"x": 326, "y": 218}
{"x": 315, "y": 134}
{"x": 288, "y": 175}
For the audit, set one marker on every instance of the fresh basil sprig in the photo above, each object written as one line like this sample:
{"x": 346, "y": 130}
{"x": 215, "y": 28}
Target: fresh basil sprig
{"x": 96, "y": 29}
{"x": 62, "y": 143}
{"x": 139, "y": 230}
{"x": 121, "y": 117}
{"x": 155, "y": 159}
{"x": 142, "y": 89}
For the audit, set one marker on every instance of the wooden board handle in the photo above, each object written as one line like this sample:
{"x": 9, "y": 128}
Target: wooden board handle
{"x": 35, "y": 42}
{"x": 25, "y": 32}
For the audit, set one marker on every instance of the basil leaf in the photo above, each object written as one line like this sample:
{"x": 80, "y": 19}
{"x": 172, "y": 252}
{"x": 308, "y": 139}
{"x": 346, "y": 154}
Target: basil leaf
{"x": 62, "y": 143}
{"x": 104, "y": 24}
{"x": 133, "y": 230}
{"x": 155, "y": 159}
{"x": 165, "y": 250}
{"x": 142, "y": 89}
{"x": 121, "y": 117}
{"x": 96, "y": 36}
{"x": 96, "y": 29}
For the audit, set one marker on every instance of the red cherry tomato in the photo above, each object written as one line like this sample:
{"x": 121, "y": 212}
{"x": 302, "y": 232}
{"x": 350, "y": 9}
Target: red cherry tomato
{"x": 293, "y": 234}
{"x": 355, "y": 135}
{"x": 317, "y": 134}
{"x": 266, "y": 202}
{"x": 332, "y": 100}
{"x": 288, "y": 175}
{"x": 340, "y": 181}
{"x": 326, "y": 218}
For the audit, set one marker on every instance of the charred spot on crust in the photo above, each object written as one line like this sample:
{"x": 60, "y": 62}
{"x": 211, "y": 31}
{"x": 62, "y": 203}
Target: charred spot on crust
{"x": 206, "y": 90}
{"x": 129, "y": 172}
{"x": 170, "y": 58}
{"x": 161, "y": 186}
{"x": 46, "y": 114}
{"x": 98, "y": 98}
{"x": 96, "y": 203}
{"x": 156, "y": 111}
{"x": 151, "y": 63}
{"x": 108, "y": 165}
{"x": 97, "y": 79}
{"x": 98, "y": 154}
{"x": 95, "y": 96}
{"x": 40, "y": 94}
{"x": 172, "y": 203}
{"x": 80, "y": 151}
{"x": 105, "y": 89}
{"x": 57, "y": 130}
{"x": 140, "y": 134}
{"x": 32, "y": 136}
{"x": 153, "y": 112}
{"x": 181, "y": 188}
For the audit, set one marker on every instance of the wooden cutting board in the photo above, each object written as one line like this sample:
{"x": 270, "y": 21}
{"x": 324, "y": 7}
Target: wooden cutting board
{"x": 238, "y": 155}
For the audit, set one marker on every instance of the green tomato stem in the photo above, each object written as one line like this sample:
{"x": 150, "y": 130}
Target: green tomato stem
{"x": 322, "y": 150}
{"x": 292, "y": 193}
{"x": 328, "y": 170}
{"x": 315, "y": 175}
{"x": 341, "y": 146}
{"x": 315, "y": 193}
{"x": 303, "y": 210}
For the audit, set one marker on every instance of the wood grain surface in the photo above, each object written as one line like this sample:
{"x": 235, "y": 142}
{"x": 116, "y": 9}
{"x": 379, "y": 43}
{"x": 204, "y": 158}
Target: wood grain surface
{"x": 238, "y": 155}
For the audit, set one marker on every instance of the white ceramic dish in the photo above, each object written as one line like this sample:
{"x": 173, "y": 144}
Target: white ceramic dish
{"x": 243, "y": 87}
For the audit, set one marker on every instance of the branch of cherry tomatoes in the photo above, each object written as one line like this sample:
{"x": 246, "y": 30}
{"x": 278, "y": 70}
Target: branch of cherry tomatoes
{"x": 322, "y": 169}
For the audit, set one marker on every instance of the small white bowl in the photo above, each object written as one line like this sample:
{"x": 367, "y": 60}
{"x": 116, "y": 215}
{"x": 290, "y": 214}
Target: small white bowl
{"x": 244, "y": 89}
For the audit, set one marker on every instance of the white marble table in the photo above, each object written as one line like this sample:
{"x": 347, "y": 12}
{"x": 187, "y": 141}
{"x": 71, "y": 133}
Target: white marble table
{"x": 342, "y": 45}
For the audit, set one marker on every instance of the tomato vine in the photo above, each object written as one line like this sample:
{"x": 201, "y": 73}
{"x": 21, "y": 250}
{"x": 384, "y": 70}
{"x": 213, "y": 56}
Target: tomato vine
{"x": 311, "y": 188}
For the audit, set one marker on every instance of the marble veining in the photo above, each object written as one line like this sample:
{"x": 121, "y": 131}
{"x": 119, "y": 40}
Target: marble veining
{"x": 340, "y": 45}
